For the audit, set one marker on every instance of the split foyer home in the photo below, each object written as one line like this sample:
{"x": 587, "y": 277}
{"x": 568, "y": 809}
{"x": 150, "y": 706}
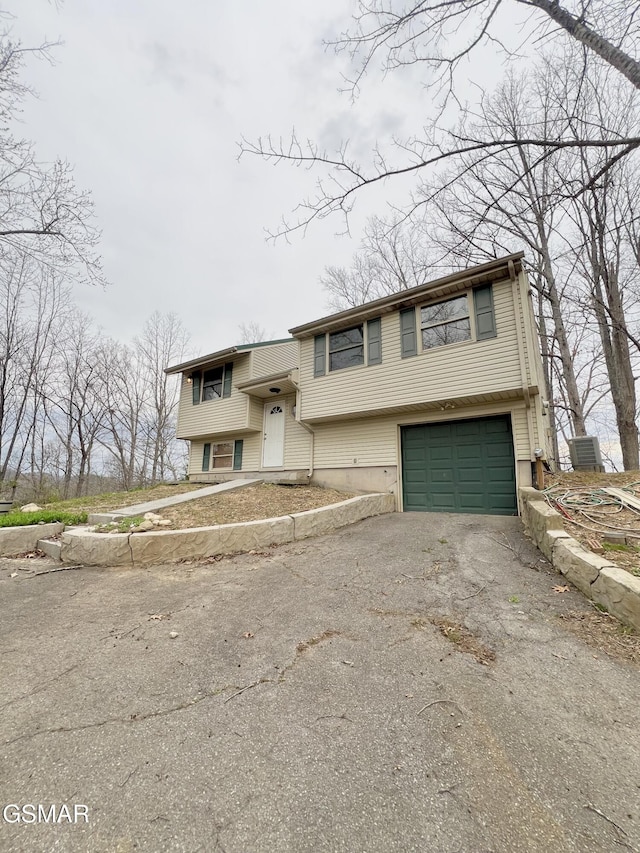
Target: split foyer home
{"x": 435, "y": 393}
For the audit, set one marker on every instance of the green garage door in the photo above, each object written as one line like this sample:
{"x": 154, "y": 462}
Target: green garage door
{"x": 459, "y": 466}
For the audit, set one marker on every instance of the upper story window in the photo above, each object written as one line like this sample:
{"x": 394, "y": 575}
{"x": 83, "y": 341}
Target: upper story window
{"x": 445, "y": 322}
{"x": 346, "y": 348}
{"x": 467, "y": 317}
{"x": 211, "y": 384}
{"x": 357, "y": 345}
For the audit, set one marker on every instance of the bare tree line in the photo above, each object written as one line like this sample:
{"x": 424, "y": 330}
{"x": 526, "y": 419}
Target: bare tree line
{"x": 77, "y": 407}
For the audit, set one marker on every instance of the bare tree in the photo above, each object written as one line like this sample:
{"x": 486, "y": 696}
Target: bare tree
{"x": 163, "y": 341}
{"x": 390, "y": 258}
{"x": 75, "y": 401}
{"x": 43, "y": 215}
{"x": 31, "y": 306}
{"x": 440, "y": 35}
{"x": 126, "y": 395}
{"x": 252, "y": 333}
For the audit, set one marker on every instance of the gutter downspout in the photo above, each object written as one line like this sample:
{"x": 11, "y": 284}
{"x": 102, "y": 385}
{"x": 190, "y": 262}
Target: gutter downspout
{"x": 522, "y": 331}
{"x": 308, "y": 429}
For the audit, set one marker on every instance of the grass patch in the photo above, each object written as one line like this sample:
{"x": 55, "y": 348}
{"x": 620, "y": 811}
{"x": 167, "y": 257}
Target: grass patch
{"x": 116, "y": 500}
{"x": 22, "y": 519}
{"x": 619, "y": 546}
{"x": 123, "y": 525}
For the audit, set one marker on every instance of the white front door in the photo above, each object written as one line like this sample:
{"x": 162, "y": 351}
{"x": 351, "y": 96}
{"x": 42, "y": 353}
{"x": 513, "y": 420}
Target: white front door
{"x": 273, "y": 453}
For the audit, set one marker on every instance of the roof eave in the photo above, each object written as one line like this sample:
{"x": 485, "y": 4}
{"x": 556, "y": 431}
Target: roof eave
{"x": 410, "y": 296}
{"x": 212, "y": 358}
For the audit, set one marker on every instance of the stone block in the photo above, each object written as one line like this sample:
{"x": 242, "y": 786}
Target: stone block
{"x": 538, "y": 518}
{"x": 579, "y": 566}
{"x": 51, "y": 549}
{"x": 86, "y": 548}
{"x": 528, "y": 493}
{"x": 102, "y": 517}
{"x": 548, "y": 541}
{"x": 18, "y": 540}
{"x": 161, "y": 546}
{"x": 314, "y": 522}
{"x": 619, "y": 592}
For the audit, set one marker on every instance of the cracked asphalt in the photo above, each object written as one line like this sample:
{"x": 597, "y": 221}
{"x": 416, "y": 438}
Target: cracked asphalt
{"x": 337, "y": 694}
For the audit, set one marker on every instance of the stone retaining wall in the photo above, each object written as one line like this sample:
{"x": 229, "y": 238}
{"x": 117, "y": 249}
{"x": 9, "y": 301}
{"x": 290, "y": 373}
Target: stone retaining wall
{"x": 18, "y": 540}
{"x": 600, "y": 580}
{"x": 125, "y": 549}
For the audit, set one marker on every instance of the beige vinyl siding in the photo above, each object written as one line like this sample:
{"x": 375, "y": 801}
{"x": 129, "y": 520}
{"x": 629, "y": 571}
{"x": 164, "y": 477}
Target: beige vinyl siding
{"x": 215, "y": 417}
{"x": 266, "y": 360}
{"x": 256, "y": 413}
{"x": 251, "y": 450}
{"x": 297, "y": 440}
{"x": 374, "y": 441}
{"x": 441, "y": 373}
{"x": 195, "y": 457}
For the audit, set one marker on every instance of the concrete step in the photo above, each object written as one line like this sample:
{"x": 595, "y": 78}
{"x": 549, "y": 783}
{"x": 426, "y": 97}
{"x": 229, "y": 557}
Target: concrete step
{"x": 51, "y": 548}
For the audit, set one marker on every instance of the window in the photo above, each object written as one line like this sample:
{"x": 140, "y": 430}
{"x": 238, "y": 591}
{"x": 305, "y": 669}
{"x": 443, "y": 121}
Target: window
{"x": 212, "y": 383}
{"x": 346, "y": 348}
{"x": 222, "y": 455}
{"x": 445, "y": 323}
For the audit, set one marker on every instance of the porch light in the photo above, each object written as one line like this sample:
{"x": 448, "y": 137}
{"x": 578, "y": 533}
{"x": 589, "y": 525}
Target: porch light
{"x": 189, "y": 379}
{"x": 274, "y": 390}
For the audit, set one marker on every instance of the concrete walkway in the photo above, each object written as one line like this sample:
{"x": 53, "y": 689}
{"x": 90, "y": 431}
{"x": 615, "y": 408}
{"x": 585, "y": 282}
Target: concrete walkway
{"x": 163, "y": 503}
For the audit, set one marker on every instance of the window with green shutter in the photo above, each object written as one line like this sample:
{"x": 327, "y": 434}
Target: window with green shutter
{"x": 211, "y": 384}
{"x": 319, "y": 355}
{"x": 228, "y": 373}
{"x": 374, "y": 341}
{"x": 206, "y": 456}
{"x": 484, "y": 313}
{"x": 237, "y": 454}
{"x": 408, "y": 336}
{"x": 195, "y": 388}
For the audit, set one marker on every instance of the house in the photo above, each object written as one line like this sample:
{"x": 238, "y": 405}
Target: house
{"x": 434, "y": 393}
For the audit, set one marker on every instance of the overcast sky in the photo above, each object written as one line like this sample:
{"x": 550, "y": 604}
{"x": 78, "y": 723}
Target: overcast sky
{"x": 149, "y": 99}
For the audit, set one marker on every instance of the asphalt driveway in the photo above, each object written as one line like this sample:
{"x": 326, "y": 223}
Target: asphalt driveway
{"x": 407, "y": 684}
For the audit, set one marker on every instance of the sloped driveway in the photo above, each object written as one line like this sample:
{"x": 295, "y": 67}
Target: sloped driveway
{"x": 406, "y": 684}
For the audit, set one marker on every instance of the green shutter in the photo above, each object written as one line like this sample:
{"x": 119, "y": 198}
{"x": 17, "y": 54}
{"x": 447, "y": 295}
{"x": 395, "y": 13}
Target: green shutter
{"x": 485, "y": 316}
{"x": 319, "y": 355}
{"x": 195, "y": 387}
{"x": 206, "y": 456}
{"x": 228, "y": 373}
{"x": 237, "y": 455}
{"x": 374, "y": 341}
{"x": 408, "y": 337}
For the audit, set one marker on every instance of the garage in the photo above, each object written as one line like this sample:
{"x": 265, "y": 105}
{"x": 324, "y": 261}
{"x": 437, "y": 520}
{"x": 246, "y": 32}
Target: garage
{"x": 459, "y": 466}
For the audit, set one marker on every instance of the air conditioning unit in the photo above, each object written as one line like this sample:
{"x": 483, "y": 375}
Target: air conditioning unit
{"x": 585, "y": 453}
